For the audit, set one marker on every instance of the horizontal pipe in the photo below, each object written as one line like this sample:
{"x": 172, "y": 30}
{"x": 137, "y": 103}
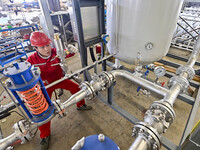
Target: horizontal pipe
{"x": 142, "y": 82}
{"x": 77, "y": 72}
{"x": 75, "y": 98}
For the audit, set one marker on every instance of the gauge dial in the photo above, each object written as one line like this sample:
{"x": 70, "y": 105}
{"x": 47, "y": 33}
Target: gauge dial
{"x": 159, "y": 71}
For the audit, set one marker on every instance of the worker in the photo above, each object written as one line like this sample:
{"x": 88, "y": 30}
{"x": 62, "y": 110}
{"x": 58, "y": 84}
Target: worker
{"x": 45, "y": 58}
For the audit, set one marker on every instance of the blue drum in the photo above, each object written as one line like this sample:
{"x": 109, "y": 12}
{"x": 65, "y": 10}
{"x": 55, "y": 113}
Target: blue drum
{"x": 95, "y": 142}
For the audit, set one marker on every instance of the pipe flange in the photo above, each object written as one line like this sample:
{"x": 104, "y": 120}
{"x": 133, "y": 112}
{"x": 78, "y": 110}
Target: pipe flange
{"x": 108, "y": 78}
{"x": 90, "y": 91}
{"x": 60, "y": 108}
{"x": 187, "y": 69}
{"x": 149, "y": 134}
{"x": 180, "y": 80}
{"x": 21, "y": 128}
{"x": 166, "y": 113}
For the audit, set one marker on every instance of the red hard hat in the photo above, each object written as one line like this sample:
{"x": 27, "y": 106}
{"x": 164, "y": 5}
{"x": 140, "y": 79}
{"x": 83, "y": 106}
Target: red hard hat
{"x": 39, "y": 39}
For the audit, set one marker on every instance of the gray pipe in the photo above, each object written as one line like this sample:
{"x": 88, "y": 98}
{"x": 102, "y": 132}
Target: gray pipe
{"x": 75, "y": 98}
{"x": 195, "y": 53}
{"x": 142, "y": 82}
{"x": 4, "y": 143}
{"x": 142, "y": 144}
{"x": 139, "y": 144}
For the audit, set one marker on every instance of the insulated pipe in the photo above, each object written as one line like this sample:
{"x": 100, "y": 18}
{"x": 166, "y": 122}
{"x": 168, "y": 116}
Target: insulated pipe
{"x": 142, "y": 82}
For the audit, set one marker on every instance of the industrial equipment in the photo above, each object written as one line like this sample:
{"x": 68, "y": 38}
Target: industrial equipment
{"x": 27, "y": 84}
{"x": 150, "y": 28}
{"x": 132, "y": 45}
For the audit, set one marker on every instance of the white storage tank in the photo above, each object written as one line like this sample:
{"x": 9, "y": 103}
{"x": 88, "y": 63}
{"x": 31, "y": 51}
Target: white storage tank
{"x": 144, "y": 26}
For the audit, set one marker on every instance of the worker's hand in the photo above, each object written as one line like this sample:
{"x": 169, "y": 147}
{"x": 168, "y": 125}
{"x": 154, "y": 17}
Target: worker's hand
{"x": 72, "y": 49}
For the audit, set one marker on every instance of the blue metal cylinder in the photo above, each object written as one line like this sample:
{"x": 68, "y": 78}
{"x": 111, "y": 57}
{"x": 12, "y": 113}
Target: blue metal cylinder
{"x": 23, "y": 78}
{"x": 93, "y": 143}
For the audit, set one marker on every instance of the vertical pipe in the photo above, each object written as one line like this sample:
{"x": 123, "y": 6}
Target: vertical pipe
{"x": 54, "y": 5}
{"x": 195, "y": 53}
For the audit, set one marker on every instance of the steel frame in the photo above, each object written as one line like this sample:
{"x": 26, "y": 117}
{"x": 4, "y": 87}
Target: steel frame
{"x": 77, "y": 4}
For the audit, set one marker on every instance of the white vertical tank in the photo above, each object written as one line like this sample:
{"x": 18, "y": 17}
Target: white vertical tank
{"x": 144, "y": 26}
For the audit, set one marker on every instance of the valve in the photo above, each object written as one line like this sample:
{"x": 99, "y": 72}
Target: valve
{"x": 106, "y": 38}
{"x": 26, "y": 85}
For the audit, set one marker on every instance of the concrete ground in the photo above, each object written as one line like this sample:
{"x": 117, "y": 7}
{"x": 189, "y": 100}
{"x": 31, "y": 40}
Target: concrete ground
{"x": 102, "y": 119}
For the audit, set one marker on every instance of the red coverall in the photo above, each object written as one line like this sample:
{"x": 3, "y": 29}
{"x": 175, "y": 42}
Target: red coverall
{"x": 50, "y": 74}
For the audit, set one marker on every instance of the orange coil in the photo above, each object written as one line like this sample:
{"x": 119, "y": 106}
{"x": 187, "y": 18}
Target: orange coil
{"x": 35, "y": 100}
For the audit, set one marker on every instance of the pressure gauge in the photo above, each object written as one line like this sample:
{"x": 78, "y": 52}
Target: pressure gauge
{"x": 159, "y": 71}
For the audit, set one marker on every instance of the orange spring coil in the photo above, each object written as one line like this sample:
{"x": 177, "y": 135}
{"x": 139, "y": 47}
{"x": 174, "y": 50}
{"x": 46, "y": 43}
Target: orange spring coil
{"x": 35, "y": 100}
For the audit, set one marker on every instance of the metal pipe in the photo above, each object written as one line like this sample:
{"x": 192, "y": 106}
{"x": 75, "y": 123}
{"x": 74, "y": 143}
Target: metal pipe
{"x": 167, "y": 104}
{"x": 75, "y": 98}
{"x": 195, "y": 53}
{"x": 4, "y": 143}
{"x": 139, "y": 144}
{"x": 173, "y": 94}
{"x": 142, "y": 82}
{"x": 176, "y": 88}
{"x": 77, "y": 72}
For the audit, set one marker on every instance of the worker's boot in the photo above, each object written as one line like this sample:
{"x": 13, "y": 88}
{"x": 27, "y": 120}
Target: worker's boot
{"x": 84, "y": 107}
{"x": 44, "y": 144}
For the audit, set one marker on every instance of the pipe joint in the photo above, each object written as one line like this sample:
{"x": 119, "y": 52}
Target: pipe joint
{"x": 144, "y": 131}
{"x": 89, "y": 90}
{"x": 183, "y": 82}
{"x": 60, "y": 109}
{"x": 162, "y": 114}
{"x": 22, "y": 130}
{"x": 189, "y": 70}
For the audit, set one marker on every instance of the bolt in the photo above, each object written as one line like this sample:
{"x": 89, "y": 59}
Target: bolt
{"x": 149, "y": 137}
{"x": 169, "y": 119}
{"x": 141, "y": 130}
{"x": 101, "y": 137}
{"x": 165, "y": 130}
{"x": 133, "y": 134}
{"x": 155, "y": 146}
